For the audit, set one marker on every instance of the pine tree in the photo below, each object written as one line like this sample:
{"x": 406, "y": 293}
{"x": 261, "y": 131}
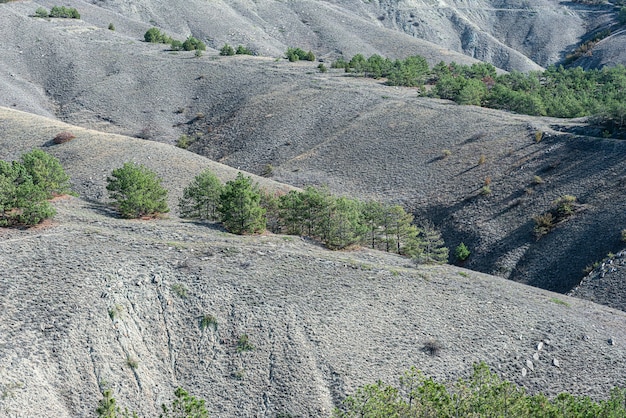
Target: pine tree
{"x": 201, "y": 197}
{"x": 137, "y": 191}
{"x": 345, "y": 223}
{"x": 240, "y": 207}
{"x": 46, "y": 172}
{"x": 428, "y": 247}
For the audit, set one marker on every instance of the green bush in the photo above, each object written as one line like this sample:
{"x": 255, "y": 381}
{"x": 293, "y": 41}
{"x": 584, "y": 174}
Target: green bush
{"x": 192, "y": 44}
{"x": 242, "y": 50}
{"x": 297, "y": 54}
{"x": 201, "y": 197}
{"x": 227, "y": 50}
{"x": 42, "y": 12}
{"x": 64, "y": 12}
{"x": 111, "y": 27}
{"x": 137, "y": 191}
{"x": 461, "y": 252}
{"x": 155, "y": 36}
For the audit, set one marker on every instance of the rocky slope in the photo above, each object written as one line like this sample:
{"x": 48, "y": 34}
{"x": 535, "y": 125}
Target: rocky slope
{"x": 91, "y": 301}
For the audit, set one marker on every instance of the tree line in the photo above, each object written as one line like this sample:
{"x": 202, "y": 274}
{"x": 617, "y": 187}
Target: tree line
{"x": 557, "y": 91}
{"x": 337, "y": 222}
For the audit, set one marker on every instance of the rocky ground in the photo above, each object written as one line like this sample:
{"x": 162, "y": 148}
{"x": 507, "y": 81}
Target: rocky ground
{"x": 92, "y": 301}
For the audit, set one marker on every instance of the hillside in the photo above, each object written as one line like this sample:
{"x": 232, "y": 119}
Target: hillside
{"x": 358, "y": 136}
{"x": 86, "y": 296}
{"x": 88, "y": 292}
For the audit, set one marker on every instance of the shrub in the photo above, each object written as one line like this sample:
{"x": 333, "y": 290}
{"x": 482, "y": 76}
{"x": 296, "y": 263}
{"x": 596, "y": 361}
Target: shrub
{"x": 132, "y": 362}
{"x": 64, "y": 12}
{"x": 565, "y": 206}
{"x": 111, "y": 26}
{"x": 544, "y": 223}
{"x": 446, "y": 153}
{"x": 184, "y": 405}
{"x": 482, "y": 159}
{"x": 176, "y": 45}
{"x": 462, "y": 252}
{"x": 242, "y": 50}
{"x": 485, "y": 190}
{"x": 623, "y": 235}
{"x": 227, "y": 50}
{"x": 208, "y": 321}
{"x": 537, "y": 180}
{"x": 137, "y": 191}
{"x": 180, "y": 290}
{"x": 63, "y": 137}
{"x": 322, "y": 68}
{"x": 42, "y": 12}
{"x": 192, "y": 44}
{"x": 244, "y": 344}
{"x": 154, "y": 35}
{"x": 198, "y": 53}
{"x": 46, "y": 173}
{"x": 297, "y": 54}
{"x": 201, "y": 197}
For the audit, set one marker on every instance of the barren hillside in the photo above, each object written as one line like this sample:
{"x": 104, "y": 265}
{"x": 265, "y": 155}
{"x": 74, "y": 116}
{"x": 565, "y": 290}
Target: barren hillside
{"x": 92, "y": 301}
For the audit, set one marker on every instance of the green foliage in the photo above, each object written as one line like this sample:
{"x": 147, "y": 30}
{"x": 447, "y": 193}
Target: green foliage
{"x": 297, "y": 54}
{"x": 244, "y": 344}
{"x": 154, "y": 35}
{"x": 42, "y": 12}
{"x": 242, "y": 50}
{"x": 107, "y": 408}
{"x": 180, "y": 290}
{"x": 429, "y": 247}
{"x": 201, "y": 197}
{"x": 483, "y": 395}
{"x": 193, "y": 44}
{"x": 64, "y": 12}
{"x": 46, "y": 172}
{"x": 227, "y": 50}
{"x": 137, "y": 191}
{"x": 184, "y": 406}
{"x": 240, "y": 207}
{"x": 111, "y": 27}
{"x": 208, "y": 321}
{"x": 621, "y": 16}
{"x": 22, "y": 202}
{"x": 461, "y": 252}
{"x": 322, "y": 68}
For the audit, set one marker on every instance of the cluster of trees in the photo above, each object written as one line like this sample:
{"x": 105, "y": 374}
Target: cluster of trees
{"x": 337, "y": 222}
{"x": 483, "y": 395}
{"x": 228, "y": 50}
{"x": 58, "y": 11}
{"x": 297, "y": 54}
{"x": 154, "y": 35}
{"x": 27, "y": 185}
{"x": 557, "y": 91}
{"x": 410, "y": 72}
{"x": 183, "y": 405}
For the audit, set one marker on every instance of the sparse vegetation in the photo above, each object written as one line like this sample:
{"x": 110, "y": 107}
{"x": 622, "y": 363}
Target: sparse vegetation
{"x": 132, "y": 362}
{"x": 111, "y": 27}
{"x": 559, "y": 302}
{"x": 155, "y": 36}
{"x": 446, "y": 153}
{"x": 242, "y": 50}
{"x": 180, "y": 290}
{"x": 562, "y": 209}
{"x": 208, "y": 321}
{"x": 537, "y": 180}
{"x": 244, "y": 344}
{"x": 116, "y": 311}
{"x": 137, "y": 191}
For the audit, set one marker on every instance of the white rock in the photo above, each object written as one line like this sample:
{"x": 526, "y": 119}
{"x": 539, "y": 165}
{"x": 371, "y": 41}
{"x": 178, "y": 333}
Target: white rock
{"x": 536, "y": 356}
{"x": 530, "y": 365}
{"x": 524, "y": 371}
{"x": 540, "y": 346}
{"x": 556, "y": 362}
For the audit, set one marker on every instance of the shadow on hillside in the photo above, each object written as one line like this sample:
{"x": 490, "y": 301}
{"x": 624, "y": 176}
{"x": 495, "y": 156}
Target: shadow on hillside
{"x": 102, "y": 209}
